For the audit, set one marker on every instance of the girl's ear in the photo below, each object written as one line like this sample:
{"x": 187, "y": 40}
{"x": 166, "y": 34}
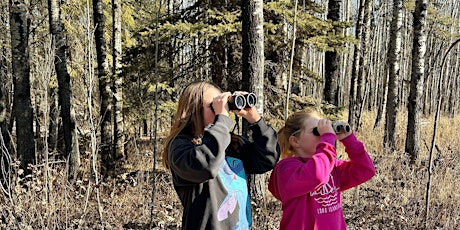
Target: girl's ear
{"x": 294, "y": 141}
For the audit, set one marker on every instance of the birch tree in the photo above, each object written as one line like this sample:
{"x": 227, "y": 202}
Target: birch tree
{"x": 394, "y": 72}
{"x": 363, "y": 62}
{"x": 105, "y": 91}
{"x": 382, "y": 73}
{"x": 5, "y": 157}
{"x": 353, "y": 106}
{"x": 5, "y": 79}
{"x": 417, "y": 77}
{"x": 119, "y": 136}
{"x": 253, "y": 70}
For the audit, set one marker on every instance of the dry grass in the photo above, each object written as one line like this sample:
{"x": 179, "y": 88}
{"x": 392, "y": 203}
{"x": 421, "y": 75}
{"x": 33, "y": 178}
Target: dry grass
{"x": 393, "y": 199}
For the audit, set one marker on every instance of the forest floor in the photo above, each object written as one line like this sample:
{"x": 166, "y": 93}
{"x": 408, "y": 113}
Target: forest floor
{"x": 394, "y": 199}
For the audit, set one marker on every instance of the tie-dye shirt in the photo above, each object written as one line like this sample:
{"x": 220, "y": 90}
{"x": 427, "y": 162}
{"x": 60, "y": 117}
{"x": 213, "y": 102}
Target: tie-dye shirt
{"x": 310, "y": 188}
{"x": 210, "y": 177}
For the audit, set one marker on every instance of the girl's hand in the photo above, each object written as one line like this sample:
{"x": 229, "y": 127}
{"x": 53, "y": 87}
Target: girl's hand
{"x": 325, "y": 126}
{"x": 250, "y": 114}
{"x": 344, "y": 133}
{"x": 220, "y": 103}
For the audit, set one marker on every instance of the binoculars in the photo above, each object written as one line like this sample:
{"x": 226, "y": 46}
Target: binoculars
{"x": 241, "y": 101}
{"x": 338, "y": 126}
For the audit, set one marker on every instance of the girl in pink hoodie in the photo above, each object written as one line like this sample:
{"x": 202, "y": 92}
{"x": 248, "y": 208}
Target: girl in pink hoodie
{"x": 309, "y": 180}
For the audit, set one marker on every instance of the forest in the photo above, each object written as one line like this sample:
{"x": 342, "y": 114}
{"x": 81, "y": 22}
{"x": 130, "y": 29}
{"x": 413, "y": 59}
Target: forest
{"x": 89, "y": 88}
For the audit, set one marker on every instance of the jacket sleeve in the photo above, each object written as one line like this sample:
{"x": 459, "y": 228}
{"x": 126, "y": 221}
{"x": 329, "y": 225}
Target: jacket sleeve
{"x": 295, "y": 176}
{"x": 262, "y": 154}
{"x": 359, "y": 168}
{"x": 200, "y": 162}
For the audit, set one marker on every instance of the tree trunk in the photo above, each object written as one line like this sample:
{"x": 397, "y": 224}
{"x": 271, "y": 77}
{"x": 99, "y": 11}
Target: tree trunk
{"x": 3, "y": 94}
{"x": 119, "y": 137}
{"x": 218, "y": 58}
{"x": 276, "y": 74}
{"x": 332, "y": 60}
{"x": 344, "y": 83}
{"x": 363, "y": 62}
{"x": 5, "y": 157}
{"x": 253, "y": 72}
{"x": 72, "y": 151}
{"x": 394, "y": 72}
{"x": 106, "y": 146}
{"x": 5, "y": 108}
{"x": 353, "y": 106}
{"x": 451, "y": 94}
{"x": 382, "y": 72}
{"x": 22, "y": 106}
{"x": 416, "y": 82}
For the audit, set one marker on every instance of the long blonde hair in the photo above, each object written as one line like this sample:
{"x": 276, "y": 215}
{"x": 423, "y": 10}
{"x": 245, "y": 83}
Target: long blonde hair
{"x": 294, "y": 124}
{"x": 189, "y": 116}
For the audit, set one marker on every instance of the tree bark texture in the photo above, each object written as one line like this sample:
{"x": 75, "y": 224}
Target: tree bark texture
{"x": 105, "y": 91}
{"x": 363, "y": 62}
{"x": 353, "y": 106}
{"x": 22, "y": 107}
{"x": 4, "y": 77}
{"x": 5, "y": 156}
{"x": 3, "y": 99}
{"x": 5, "y": 108}
{"x": 394, "y": 75}
{"x": 416, "y": 82}
{"x": 253, "y": 71}
{"x": 218, "y": 58}
{"x": 119, "y": 129}
{"x": 64, "y": 89}
{"x": 382, "y": 73}
{"x": 332, "y": 60}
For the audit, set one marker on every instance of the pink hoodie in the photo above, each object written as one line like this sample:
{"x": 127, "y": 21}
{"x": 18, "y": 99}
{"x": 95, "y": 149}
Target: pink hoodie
{"x": 310, "y": 188}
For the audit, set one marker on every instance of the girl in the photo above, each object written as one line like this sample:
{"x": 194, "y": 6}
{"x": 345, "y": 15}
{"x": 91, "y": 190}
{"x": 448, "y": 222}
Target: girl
{"x": 309, "y": 180}
{"x": 209, "y": 165}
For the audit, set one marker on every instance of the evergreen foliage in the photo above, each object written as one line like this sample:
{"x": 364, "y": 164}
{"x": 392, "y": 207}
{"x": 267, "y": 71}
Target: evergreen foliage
{"x": 185, "y": 35}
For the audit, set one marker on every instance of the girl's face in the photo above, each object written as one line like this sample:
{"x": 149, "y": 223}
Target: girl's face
{"x": 305, "y": 142}
{"x": 208, "y": 114}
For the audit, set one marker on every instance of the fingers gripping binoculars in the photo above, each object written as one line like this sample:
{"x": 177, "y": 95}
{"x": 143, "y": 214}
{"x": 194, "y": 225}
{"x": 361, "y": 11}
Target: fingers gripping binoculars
{"x": 338, "y": 126}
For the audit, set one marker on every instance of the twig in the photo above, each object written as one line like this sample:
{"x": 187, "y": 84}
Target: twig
{"x": 433, "y": 141}
{"x": 7, "y": 174}
{"x": 86, "y": 204}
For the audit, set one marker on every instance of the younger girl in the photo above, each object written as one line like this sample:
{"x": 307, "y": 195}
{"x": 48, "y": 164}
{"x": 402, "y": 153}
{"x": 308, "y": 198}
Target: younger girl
{"x": 209, "y": 165}
{"x": 309, "y": 180}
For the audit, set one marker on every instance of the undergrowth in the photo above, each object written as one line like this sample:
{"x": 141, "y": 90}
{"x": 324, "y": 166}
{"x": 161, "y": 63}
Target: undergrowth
{"x": 394, "y": 199}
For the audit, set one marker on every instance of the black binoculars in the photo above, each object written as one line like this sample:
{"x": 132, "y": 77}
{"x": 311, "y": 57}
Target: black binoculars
{"x": 338, "y": 126}
{"x": 240, "y": 101}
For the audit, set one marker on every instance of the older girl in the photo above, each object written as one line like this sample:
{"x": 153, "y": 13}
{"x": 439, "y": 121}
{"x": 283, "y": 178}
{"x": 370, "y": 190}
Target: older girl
{"x": 209, "y": 165}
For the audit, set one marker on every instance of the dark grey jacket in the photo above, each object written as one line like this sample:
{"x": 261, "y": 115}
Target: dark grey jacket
{"x": 210, "y": 178}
